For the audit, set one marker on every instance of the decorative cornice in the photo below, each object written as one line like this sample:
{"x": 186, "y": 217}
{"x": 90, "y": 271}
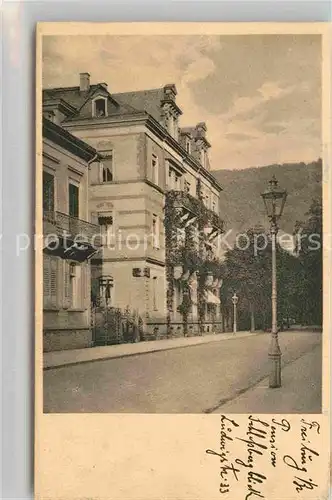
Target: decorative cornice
{"x": 173, "y": 105}
{"x": 154, "y": 126}
{"x": 51, "y": 158}
{"x": 175, "y": 163}
{"x": 68, "y": 141}
{"x": 74, "y": 170}
{"x": 152, "y": 184}
{"x": 156, "y": 262}
{"x": 148, "y": 260}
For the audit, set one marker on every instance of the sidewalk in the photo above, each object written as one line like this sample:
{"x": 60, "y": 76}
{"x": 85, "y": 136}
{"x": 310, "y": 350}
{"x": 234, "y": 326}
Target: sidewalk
{"x": 300, "y": 391}
{"x": 75, "y": 356}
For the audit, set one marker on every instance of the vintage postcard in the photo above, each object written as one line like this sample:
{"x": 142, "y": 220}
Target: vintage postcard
{"x": 182, "y": 261}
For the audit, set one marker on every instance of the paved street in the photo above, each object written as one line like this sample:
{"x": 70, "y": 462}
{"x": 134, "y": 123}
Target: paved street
{"x": 193, "y": 379}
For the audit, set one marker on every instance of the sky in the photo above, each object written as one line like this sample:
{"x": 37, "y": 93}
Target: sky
{"x": 259, "y": 95}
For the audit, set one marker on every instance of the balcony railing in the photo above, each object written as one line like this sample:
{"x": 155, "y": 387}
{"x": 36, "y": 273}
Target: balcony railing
{"x": 215, "y": 220}
{"x": 181, "y": 199}
{"x": 70, "y": 238}
{"x": 70, "y": 227}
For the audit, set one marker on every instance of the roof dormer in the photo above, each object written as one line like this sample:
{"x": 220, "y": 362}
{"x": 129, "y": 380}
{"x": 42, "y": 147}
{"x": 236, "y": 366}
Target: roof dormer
{"x": 99, "y": 106}
{"x": 202, "y": 145}
{"x": 170, "y": 111}
{"x": 186, "y": 140}
{"x": 57, "y": 110}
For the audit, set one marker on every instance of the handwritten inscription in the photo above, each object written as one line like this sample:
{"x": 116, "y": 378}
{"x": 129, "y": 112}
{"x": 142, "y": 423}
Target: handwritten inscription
{"x": 260, "y": 453}
{"x": 307, "y": 454}
{"x": 227, "y": 426}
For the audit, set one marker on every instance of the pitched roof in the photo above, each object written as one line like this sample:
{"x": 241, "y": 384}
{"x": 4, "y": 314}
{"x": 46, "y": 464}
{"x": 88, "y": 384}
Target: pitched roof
{"x": 143, "y": 100}
{"x": 78, "y": 99}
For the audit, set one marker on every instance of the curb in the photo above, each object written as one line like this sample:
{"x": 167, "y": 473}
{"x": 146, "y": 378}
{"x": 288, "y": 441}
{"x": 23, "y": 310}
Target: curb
{"x": 260, "y": 382}
{"x": 153, "y": 350}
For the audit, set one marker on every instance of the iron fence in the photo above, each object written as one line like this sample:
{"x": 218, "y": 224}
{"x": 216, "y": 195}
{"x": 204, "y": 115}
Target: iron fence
{"x": 112, "y": 325}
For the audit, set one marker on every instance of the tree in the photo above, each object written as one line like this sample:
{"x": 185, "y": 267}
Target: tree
{"x": 309, "y": 247}
{"x": 247, "y": 271}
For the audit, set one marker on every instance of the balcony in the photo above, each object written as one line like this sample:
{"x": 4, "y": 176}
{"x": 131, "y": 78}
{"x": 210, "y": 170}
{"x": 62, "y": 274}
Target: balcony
{"x": 69, "y": 237}
{"x": 214, "y": 220}
{"x": 183, "y": 200}
{"x": 189, "y": 204}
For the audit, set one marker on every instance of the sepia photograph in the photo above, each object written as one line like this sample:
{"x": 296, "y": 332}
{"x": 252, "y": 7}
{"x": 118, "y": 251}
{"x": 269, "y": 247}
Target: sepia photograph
{"x": 182, "y": 216}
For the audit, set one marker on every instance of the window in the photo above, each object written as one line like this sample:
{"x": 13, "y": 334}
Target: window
{"x": 188, "y": 147}
{"x": 177, "y": 295}
{"x": 73, "y": 200}
{"x": 203, "y": 158}
{"x": 170, "y": 124}
{"x": 155, "y": 231}
{"x": 177, "y": 181}
{"x": 75, "y": 290}
{"x": 48, "y": 192}
{"x": 107, "y": 232}
{"x": 107, "y": 174}
{"x": 174, "y": 179}
{"x": 155, "y": 168}
{"x": 170, "y": 179}
{"x": 176, "y": 129}
{"x": 99, "y": 107}
{"x": 75, "y": 285}
{"x": 187, "y": 186}
{"x": 154, "y": 293}
{"x": 50, "y": 281}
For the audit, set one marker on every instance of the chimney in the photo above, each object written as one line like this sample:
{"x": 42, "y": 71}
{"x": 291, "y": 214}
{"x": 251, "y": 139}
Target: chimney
{"x": 84, "y": 82}
{"x": 201, "y": 129}
{"x": 170, "y": 91}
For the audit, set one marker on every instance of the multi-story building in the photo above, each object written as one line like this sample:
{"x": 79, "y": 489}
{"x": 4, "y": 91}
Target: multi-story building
{"x": 69, "y": 239}
{"x": 156, "y": 200}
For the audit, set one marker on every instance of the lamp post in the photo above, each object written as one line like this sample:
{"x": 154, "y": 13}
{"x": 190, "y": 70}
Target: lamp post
{"x": 235, "y": 299}
{"x": 274, "y": 200}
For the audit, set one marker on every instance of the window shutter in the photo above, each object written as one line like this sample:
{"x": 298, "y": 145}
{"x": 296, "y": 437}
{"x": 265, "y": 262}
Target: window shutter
{"x": 66, "y": 285}
{"x": 79, "y": 284}
{"x": 54, "y": 281}
{"x": 84, "y": 273}
{"x": 73, "y": 200}
{"x": 46, "y": 280}
{"x": 48, "y": 192}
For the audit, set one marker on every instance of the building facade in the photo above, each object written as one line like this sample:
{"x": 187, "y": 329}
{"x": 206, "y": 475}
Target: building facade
{"x": 155, "y": 200}
{"x": 69, "y": 239}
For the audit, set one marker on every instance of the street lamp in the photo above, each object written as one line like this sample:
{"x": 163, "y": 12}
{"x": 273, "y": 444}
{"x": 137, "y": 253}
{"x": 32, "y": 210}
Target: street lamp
{"x": 235, "y": 299}
{"x": 274, "y": 200}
